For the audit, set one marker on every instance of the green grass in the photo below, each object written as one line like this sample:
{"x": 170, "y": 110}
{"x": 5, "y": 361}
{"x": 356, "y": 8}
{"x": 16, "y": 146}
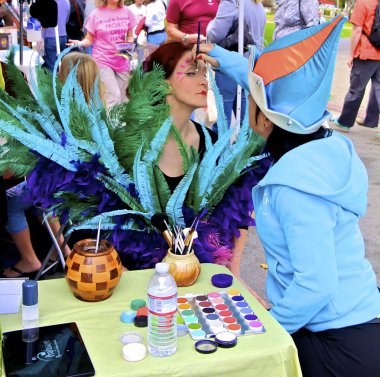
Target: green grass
{"x": 269, "y": 29}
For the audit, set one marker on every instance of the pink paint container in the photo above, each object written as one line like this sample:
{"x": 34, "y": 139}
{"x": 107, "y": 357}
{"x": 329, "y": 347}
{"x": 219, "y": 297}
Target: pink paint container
{"x": 256, "y": 326}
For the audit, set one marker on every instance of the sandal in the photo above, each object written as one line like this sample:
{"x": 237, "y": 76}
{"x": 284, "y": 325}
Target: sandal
{"x": 22, "y": 274}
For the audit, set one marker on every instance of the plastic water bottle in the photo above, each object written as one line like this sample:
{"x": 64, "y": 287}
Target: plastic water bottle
{"x": 162, "y": 314}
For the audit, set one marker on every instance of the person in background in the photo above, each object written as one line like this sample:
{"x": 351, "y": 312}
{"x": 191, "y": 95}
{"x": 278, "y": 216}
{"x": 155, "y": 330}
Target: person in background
{"x": 48, "y": 34}
{"x": 364, "y": 61}
{"x": 109, "y": 24}
{"x": 88, "y": 8}
{"x": 293, "y": 15}
{"x": 139, "y": 11}
{"x": 87, "y": 73}
{"x": 155, "y": 21}
{"x": 17, "y": 226}
{"x": 322, "y": 288}
{"x": 74, "y": 26}
{"x": 220, "y": 28}
{"x": 183, "y": 16}
{"x": 371, "y": 117}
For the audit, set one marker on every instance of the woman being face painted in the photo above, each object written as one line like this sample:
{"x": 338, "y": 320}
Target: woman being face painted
{"x": 188, "y": 91}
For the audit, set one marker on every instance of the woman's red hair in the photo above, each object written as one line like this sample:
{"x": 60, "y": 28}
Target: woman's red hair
{"x": 167, "y": 56}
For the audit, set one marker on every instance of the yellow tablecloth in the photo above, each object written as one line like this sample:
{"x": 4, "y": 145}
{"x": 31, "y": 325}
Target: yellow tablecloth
{"x": 272, "y": 354}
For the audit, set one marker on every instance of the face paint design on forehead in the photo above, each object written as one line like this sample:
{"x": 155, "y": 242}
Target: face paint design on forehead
{"x": 180, "y": 74}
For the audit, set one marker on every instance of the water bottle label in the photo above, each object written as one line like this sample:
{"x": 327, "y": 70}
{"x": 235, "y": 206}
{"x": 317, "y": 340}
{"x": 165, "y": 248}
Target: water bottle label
{"x": 162, "y": 305}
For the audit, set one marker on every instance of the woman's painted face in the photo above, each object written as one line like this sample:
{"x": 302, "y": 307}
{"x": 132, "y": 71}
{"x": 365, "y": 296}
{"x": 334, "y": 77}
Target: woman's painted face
{"x": 189, "y": 84}
{"x": 258, "y": 121}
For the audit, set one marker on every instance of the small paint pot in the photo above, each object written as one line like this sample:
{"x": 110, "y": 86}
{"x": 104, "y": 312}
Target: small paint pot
{"x": 233, "y": 292}
{"x": 217, "y": 301}
{"x": 220, "y": 307}
{"x": 207, "y": 311}
{"x": 250, "y": 318}
{"x": 217, "y": 329}
{"x": 198, "y": 334}
{"x": 229, "y": 320}
{"x": 241, "y": 305}
{"x": 200, "y": 298}
{"x": 226, "y": 339}
{"x": 181, "y": 330}
{"x": 245, "y": 311}
{"x": 236, "y": 299}
{"x": 235, "y": 328}
{"x": 182, "y": 300}
{"x": 225, "y": 313}
{"x": 190, "y": 319}
{"x": 133, "y": 351}
{"x": 131, "y": 337}
{"x": 194, "y": 327}
{"x": 213, "y": 295}
{"x": 187, "y": 313}
{"x": 217, "y": 323}
{"x": 210, "y": 318}
{"x": 256, "y": 326}
{"x": 205, "y": 304}
{"x": 182, "y": 307}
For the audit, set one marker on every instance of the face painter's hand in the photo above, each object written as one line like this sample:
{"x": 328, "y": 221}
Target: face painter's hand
{"x": 204, "y": 49}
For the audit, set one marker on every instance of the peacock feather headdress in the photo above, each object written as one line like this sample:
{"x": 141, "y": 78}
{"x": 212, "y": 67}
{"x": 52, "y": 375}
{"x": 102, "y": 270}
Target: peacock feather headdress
{"x": 87, "y": 164}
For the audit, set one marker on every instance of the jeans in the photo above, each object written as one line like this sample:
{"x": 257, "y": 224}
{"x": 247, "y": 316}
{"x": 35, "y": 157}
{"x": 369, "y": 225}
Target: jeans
{"x": 17, "y": 204}
{"x": 51, "y": 51}
{"x": 157, "y": 39}
{"x": 372, "y": 112}
{"x": 228, "y": 90}
{"x": 361, "y": 73}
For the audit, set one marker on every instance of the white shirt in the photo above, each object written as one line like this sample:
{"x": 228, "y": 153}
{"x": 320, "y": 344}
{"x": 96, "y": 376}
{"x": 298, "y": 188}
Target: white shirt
{"x": 138, "y": 12}
{"x": 155, "y": 16}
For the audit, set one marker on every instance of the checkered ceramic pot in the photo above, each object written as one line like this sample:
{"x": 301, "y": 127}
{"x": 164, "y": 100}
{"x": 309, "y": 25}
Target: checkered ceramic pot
{"x": 185, "y": 269}
{"x": 93, "y": 276}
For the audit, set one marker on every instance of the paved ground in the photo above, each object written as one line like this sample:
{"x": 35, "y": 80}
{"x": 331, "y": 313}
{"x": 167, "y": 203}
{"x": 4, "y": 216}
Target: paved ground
{"x": 368, "y": 147}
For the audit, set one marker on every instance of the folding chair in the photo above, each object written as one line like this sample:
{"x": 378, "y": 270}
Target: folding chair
{"x": 46, "y": 264}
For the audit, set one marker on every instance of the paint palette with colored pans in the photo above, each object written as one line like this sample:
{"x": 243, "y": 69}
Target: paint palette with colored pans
{"x": 208, "y": 314}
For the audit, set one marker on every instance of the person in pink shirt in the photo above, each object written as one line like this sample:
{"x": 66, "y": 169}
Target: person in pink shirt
{"x": 183, "y": 16}
{"x": 109, "y": 24}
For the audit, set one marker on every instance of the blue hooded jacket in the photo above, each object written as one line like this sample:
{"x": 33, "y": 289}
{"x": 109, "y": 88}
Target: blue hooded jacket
{"x": 307, "y": 209}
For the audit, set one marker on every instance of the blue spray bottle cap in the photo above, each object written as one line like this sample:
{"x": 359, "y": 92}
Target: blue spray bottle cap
{"x": 29, "y": 292}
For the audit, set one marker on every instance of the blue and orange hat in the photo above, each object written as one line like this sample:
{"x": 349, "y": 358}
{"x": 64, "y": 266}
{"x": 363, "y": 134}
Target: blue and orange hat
{"x": 290, "y": 80}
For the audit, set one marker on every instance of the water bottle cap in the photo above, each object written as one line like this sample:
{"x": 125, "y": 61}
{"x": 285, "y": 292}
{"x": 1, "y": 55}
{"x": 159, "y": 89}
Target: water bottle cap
{"x": 128, "y": 316}
{"x": 162, "y": 268}
{"x": 137, "y": 304}
{"x": 141, "y": 321}
{"x": 29, "y": 292}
